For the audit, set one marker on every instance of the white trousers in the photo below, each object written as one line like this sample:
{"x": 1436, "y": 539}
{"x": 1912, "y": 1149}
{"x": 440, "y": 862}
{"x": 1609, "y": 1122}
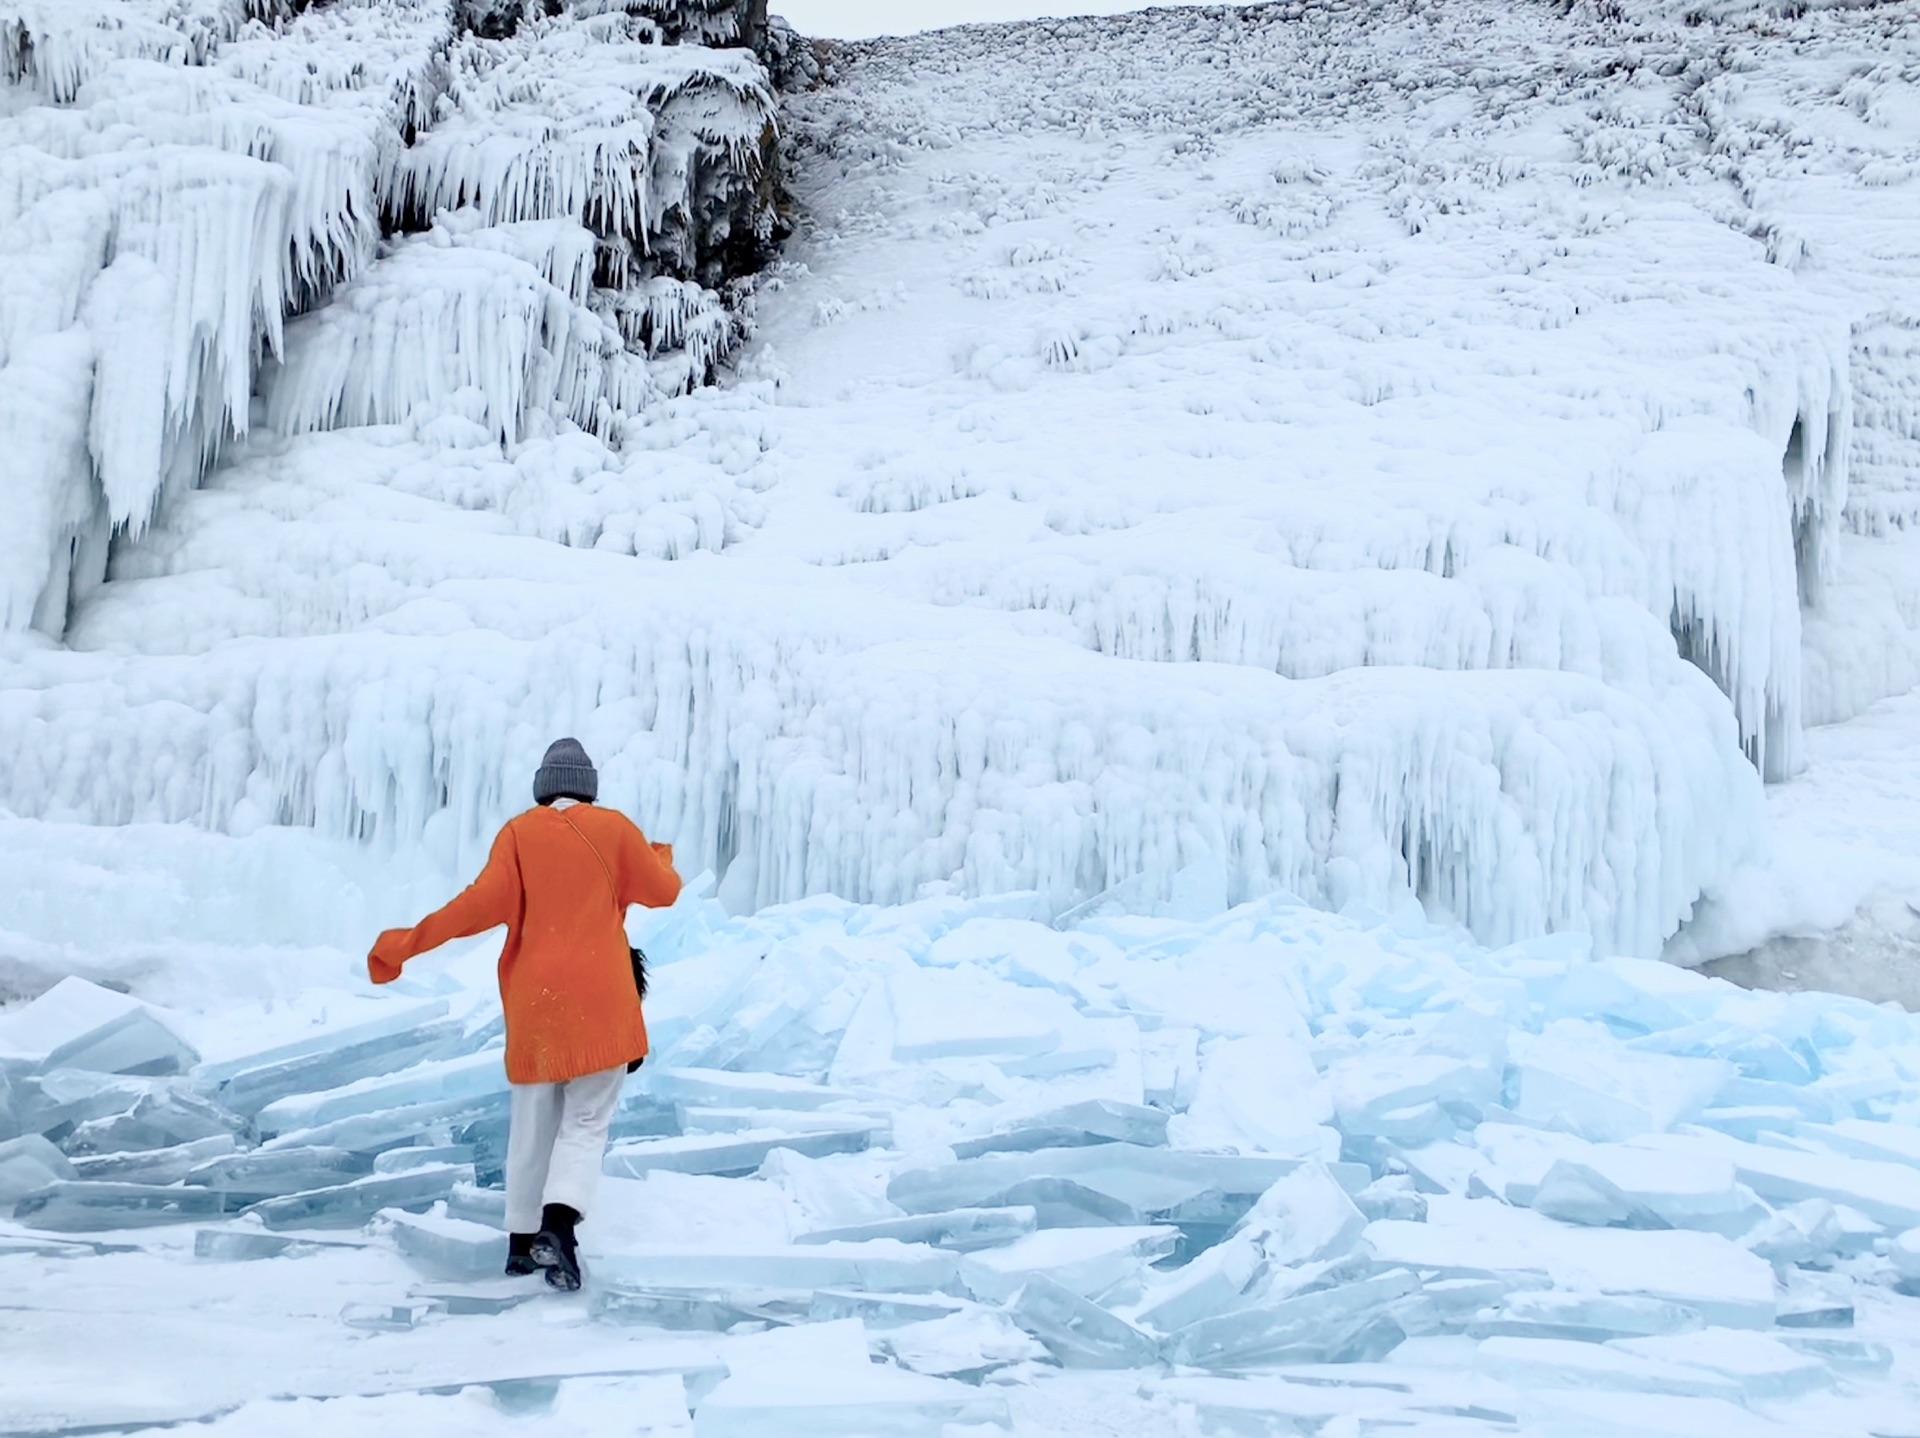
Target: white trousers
{"x": 556, "y": 1138}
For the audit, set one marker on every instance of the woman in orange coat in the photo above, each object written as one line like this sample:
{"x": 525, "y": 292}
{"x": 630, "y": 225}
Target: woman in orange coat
{"x": 561, "y": 878}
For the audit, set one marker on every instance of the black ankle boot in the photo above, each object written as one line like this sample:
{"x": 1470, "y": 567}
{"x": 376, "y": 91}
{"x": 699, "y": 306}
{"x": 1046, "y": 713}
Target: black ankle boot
{"x": 520, "y": 1259}
{"x": 555, "y": 1248}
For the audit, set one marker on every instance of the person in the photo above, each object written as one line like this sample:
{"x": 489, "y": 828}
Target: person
{"x": 561, "y": 878}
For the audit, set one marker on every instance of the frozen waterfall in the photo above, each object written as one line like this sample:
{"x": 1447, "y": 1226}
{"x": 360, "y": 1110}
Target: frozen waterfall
{"x": 1221, "y": 469}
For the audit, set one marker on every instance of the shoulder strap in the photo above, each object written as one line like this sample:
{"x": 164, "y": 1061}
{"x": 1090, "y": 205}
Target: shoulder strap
{"x": 612, "y": 889}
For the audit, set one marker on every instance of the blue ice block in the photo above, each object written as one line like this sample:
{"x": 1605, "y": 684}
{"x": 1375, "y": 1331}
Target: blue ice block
{"x": 78, "y": 1206}
{"x": 398, "y": 1160}
{"x": 732, "y": 1154}
{"x": 244, "y": 1179}
{"x": 27, "y": 1165}
{"x": 1096, "y": 1121}
{"x": 1078, "y": 1332}
{"x": 372, "y": 1133}
{"x": 963, "y": 1229}
{"x": 471, "y": 1077}
{"x": 880, "y": 1265}
{"x": 349, "y": 1205}
{"x": 238, "y": 1245}
{"x": 161, "y": 1117}
{"x": 156, "y": 1165}
{"x": 327, "y": 1062}
{"x": 1312, "y": 1327}
{"x": 448, "y": 1247}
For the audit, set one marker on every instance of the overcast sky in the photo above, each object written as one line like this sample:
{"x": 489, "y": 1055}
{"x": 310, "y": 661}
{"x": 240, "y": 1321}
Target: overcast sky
{"x": 856, "y": 19}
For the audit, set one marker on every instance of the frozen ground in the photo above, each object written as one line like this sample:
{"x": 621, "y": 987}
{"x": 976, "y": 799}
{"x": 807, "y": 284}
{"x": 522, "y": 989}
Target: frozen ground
{"x": 943, "y": 1168}
{"x": 1430, "y": 461}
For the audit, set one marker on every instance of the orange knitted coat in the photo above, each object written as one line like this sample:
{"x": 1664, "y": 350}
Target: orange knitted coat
{"x": 565, "y": 977}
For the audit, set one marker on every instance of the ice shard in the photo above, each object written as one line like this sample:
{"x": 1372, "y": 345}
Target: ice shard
{"x": 1076, "y": 1331}
{"x": 351, "y": 1204}
{"x": 78, "y": 1206}
{"x": 80, "y": 1025}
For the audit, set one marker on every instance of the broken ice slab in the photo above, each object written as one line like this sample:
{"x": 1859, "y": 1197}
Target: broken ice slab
{"x": 1392, "y": 1197}
{"x": 707, "y": 1121}
{"x": 1392, "y": 1094}
{"x": 882, "y": 1310}
{"x": 1803, "y": 1232}
{"x": 1749, "y": 1121}
{"x": 1370, "y": 1398}
{"x": 14, "y": 1085}
{"x": 1889, "y": 1193}
{"x": 349, "y": 1205}
{"x": 243, "y": 1179}
{"x": 399, "y": 1160}
{"x": 880, "y": 1265}
{"x": 478, "y": 1205}
{"x": 1077, "y": 1125}
{"x": 1763, "y": 1367}
{"x": 327, "y": 1061}
{"x": 80, "y": 1025}
{"x": 731, "y": 1154}
{"x": 389, "y": 1317}
{"x": 78, "y": 1206}
{"x": 1843, "y": 1355}
{"x": 428, "y": 1122}
{"x": 989, "y": 1180}
{"x": 160, "y": 1115}
{"x": 828, "y": 1401}
{"x": 157, "y": 1165}
{"x": 1905, "y": 1253}
{"x": 449, "y": 1247}
{"x": 966, "y": 1345}
{"x": 1711, "y": 1274}
{"x": 1864, "y": 1138}
{"x": 28, "y": 1164}
{"x": 238, "y": 1245}
{"x": 1814, "y": 1300}
{"x": 1171, "y": 1064}
{"x": 1576, "y": 1076}
{"x": 1078, "y": 1332}
{"x": 1090, "y": 1261}
{"x": 970, "y": 1013}
{"x": 1645, "y": 1188}
{"x": 700, "y": 1309}
{"x": 472, "y": 1076}
{"x": 1563, "y": 1363}
{"x": 397, "y": 1020}
{"x": 480, "y": 1297}
{"x": 721, "y": 1088}
{"x": 1582, "y": 1317}
{"x": 962, "y": 1229}
{"x": 1343, "y": 1322}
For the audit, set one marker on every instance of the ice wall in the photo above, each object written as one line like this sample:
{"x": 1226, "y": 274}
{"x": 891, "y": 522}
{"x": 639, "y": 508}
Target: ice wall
{"x": 1291, "y": 466}
{"x": 181, "y": 177}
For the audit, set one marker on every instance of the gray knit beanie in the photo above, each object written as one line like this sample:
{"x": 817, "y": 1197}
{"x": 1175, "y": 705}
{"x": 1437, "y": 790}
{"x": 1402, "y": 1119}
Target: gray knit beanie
{"x": 566, "y": 773}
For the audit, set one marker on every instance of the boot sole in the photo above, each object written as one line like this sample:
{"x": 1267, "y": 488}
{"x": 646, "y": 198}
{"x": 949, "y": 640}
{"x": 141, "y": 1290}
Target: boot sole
{"x": 561, "y": 1273}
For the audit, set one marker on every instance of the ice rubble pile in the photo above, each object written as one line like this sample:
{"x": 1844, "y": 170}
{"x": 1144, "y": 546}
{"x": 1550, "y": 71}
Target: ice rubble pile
{"x": 1276, "y": 1138}
{"x": 190, "y": 186}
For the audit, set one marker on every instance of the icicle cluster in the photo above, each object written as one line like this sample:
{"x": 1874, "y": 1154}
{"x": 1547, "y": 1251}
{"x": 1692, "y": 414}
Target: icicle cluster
{"x": 185, "y": 175}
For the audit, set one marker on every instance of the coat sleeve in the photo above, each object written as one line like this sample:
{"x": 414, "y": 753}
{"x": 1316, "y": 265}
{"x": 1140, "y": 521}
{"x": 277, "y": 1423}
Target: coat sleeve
{"x": 493, "y": 899}
{"x": 646, "y": 872}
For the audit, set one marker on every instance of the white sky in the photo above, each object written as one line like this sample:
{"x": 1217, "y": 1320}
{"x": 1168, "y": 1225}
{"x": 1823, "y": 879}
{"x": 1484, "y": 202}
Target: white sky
{"x": 857, "y": 19}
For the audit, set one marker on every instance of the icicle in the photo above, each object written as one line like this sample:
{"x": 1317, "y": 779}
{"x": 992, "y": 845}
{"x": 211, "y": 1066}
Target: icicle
{"x": 429, "y": 321}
